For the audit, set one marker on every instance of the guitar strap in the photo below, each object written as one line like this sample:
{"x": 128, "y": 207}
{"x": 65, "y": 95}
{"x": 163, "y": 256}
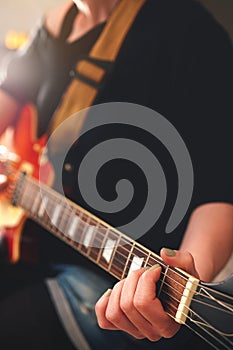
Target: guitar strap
{"x": 91, "y": 71}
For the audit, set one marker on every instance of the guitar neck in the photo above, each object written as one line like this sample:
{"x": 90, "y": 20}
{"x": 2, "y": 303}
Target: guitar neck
{"x": 110, "y": 249}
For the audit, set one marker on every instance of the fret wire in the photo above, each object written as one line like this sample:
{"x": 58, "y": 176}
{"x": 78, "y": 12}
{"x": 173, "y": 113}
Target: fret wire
{"x": 26, "y": 198}
{"x": 113, "y": 253}
{"x": 100, "y": 245}
{"x": 143, "y": 252}
{"x": 162, "y": 273}
{"x": 36, "y": 202}
{"x": 117, "y": 253}
{"x": 99, "y": 256}
{"x": 84, "y": 231}
{"x": 80, "y": 222}
{"x": 147, "y": 259}
{"x": 122, "y": 255}
{"x": 155, "y": 260}
{"x": 45, "y": 216}
{"x": 58, "y": 204}
{"x": 17, "y": 190}
{"x": 163, "y": 280}
{"x": 64, "y": 218}
{"x": 36, "y": 196}
{"x": 91, "y": 259}
{"x": 138, "y": 246}
{"x": 92, "y": 239}
{"x": 58, "y": 195}
{"x": 127, "y": 261}
{"x": 122, "y": 247}
{"x": 22, "y": 193}
{"x": 51, "y": 209}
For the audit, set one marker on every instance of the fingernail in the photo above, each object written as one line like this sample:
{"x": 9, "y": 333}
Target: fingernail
{"x": 169, "y": 252}
{"x": 154, "y": 267}
{"x": 107, "y": 293}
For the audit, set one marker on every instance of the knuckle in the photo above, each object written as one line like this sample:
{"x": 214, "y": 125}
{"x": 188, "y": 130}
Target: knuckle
{"x": 118, "y": 285}
{"x": 169, "y": 332}
{"x": 155, "y": 338}
{"x": 103, "y": 324}
{"x": 113, "y": 317}
{"x": 138, "y": 336}
{"x": 140, "y": 303}
{"x": 126, "y": 306}
{"x": 189, "y": 258}
{"x": 152, "y": 336}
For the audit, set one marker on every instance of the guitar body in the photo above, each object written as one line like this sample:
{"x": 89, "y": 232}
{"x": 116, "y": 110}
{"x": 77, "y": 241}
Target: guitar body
{"x": 26, "y": 155}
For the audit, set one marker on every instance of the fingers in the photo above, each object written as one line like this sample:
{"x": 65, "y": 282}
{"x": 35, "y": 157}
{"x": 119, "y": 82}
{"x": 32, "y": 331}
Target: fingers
{"x": 181, "y": 259}
{"x": 111, "y": 316}
{"x": 150, "y": 307}
{"x": 132, "y": 305}
{"x": 134, "y": 308}
{"x": 132, "y": 301}
{"x": 100, "y": 310}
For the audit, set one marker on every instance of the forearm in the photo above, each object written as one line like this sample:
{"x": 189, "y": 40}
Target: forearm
{"x": 209, "y": 238}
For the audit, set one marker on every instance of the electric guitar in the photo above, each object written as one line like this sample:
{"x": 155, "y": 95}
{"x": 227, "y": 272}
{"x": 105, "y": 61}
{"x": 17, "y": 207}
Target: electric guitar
{"x": 206, "y": 308}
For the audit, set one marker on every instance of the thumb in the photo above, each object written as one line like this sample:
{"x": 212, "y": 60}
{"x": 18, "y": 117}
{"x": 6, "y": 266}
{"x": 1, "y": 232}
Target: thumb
{"x": 181, "y": 259}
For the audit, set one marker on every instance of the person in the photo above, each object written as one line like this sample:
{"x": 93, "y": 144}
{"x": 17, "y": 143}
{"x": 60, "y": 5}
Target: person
{"x": 176, "y": 60}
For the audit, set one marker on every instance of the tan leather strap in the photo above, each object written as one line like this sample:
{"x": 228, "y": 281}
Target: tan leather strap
{"x": 80, "y": 94}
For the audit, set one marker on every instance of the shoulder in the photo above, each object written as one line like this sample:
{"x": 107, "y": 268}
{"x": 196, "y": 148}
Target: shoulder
{"x": 54, "y": 18}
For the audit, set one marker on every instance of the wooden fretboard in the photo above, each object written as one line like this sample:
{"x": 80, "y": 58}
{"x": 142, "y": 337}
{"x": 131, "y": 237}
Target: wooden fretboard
{"x": 99, "y": 242}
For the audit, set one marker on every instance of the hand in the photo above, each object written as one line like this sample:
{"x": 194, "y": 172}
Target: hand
{"x": 132, "y": 305}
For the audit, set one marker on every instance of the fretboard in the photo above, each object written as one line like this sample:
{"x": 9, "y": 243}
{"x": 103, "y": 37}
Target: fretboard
{"x": 99, "y": 242}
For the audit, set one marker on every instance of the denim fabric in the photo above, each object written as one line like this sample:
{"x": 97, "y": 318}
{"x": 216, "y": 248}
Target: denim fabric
{"x": 82, "y": 288}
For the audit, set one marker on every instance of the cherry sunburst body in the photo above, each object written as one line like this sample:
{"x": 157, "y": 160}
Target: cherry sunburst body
{"x": 24, "y": 150}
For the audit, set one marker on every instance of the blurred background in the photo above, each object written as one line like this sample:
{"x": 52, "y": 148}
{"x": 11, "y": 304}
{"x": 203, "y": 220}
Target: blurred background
{"x": 18, "y": 16}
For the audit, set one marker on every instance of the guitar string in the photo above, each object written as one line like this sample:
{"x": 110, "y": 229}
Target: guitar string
{"x": 139, "y": 249}
{"x": 196, "y": 293}
{"x": 199, "y": 325}
{"x": 206, "y": 332}
{"x": 226, "y": 335}
{"x": 171, "y": 296}
{"x": 182, "y": 285}
{"x": 210, "y": 297}
{"x": 196, "y": 300}
{"x": 207, "y": 327}
{"x": 201, "y": 336}
{"x": 203, "y": 324}
{"x": 175, "y": 281}
{"x": 164, "y": 265}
